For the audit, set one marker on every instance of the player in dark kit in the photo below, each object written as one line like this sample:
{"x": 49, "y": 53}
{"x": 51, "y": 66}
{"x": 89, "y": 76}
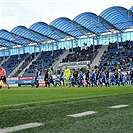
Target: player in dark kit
{"x": 75, "y": 76}
{"x": 61, "y": 78}
{"x": 97, "y": 76}
{"x": 46, "y": 77}
{"x": 116, "y": 74}
{"x": 87, "y": 76}
{"x": 107, "y": 77}
{"x": 131, "y": 76}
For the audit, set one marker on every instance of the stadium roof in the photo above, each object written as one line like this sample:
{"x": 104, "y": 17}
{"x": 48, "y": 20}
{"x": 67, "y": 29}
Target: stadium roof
{"x": 87, "y": 23}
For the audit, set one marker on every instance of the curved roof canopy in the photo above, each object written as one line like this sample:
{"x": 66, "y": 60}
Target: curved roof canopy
{"x": 118, "y": 16}
{"x": 87, "y": 23}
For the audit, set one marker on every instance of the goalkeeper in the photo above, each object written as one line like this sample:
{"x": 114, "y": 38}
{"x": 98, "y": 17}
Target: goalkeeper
{"x": 67, "y": 74}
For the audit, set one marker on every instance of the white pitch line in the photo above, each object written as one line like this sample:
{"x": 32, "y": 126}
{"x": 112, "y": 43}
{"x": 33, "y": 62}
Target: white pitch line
{"x": 118, "y": 106}
{"x": 63, "y": 99}
{"x": 82, "y": 114}
{"x": 20, "y": 127}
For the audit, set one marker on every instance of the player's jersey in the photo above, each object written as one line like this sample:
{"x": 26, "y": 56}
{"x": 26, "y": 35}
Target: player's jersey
{"x": 75, "y": 75}
{"x": 87, "y": 74}
{"x": 81, "y": 77}
{"x": 67, "y": 72}
{"x": 61, "y": 74}
{"x": 93, "y": 76}
{"x": 103, "y": 78}
{"x": 57, "y": 78}
{"x": 116, "y": 75}
{"x": 107, "y": 74}
{"x": 3, "y": 72}
{"x": 46, "y": 75}
{"x": 36, "y": 74}
{"x": 121, "y": 76}
{"x": 51, "y": 77}
{"x": 112, "y": 78}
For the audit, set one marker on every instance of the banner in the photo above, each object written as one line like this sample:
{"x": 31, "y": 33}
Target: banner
{"x": 25, "y": 78}
{"x": 13, "y": 81}
{"x": 25, "y": 82}
{"x": 74, "y": 63}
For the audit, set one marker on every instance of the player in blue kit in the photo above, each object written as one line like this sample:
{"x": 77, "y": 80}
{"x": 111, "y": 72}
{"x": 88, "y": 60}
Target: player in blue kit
{"x": 81, "y": 79}
{"x": 36, "y": 78}
{"x": 72, "y": 81}
{"x": 121, "y": 79}
{"x": 112, "y": 79}
{"x": 93, "y": 78}
{"x": 51, "y": 80}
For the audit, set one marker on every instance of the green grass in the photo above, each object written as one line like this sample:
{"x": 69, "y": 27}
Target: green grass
{"x": 51, "y": 106}
{"x": 32, "y": 96}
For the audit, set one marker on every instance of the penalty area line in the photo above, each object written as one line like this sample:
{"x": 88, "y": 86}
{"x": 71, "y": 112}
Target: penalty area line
{"x": 20, "y": 127}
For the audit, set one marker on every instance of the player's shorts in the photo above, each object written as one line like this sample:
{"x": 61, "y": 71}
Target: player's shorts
{"x": 67, "y": 78}
{"x": 3, "y": 78}
{"x": 46, "y": 79}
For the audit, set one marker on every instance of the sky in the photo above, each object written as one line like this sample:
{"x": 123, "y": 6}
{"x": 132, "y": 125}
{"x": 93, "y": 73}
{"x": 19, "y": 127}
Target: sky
{"x": 26, "y": 12}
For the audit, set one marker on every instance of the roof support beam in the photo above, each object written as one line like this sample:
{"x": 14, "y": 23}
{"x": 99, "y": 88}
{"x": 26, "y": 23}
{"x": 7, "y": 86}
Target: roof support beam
{"x": 85, "y": 28}
{"x": 62, "y": 32}
{"x": 24, "y": 37}
{"x": 42, "y": 34}
{"x": 109, "y": 24}
{"x": 11, "y": 41}
{"x": 6, "y": 41}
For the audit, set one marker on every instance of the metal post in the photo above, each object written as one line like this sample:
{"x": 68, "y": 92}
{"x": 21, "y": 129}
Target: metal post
{"x": 19, "y": 53}
{"x": 97, "y": 41}
{"x": 72, "y": 45}
{"x": 34, "y": 50}
{"x": 52, "y": 48}
{"x": 42, "y": 67}
{"x": 9, "y": 52}
{"x": 23, "y": 50}
{"x": 57, "y": 46}
{"x": 4, "y": 53}
{"x": 117, "y": 41}
{"x": 93, "y": 44}
{"x": 40, "y": 47}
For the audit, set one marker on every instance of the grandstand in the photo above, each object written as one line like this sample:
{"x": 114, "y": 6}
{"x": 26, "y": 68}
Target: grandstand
{"x": 118, "y": 58}
{"x": 63, "y": 41}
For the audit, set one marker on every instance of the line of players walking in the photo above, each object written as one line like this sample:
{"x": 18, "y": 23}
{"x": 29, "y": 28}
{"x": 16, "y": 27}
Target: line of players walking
{"x": 92, "y": 77}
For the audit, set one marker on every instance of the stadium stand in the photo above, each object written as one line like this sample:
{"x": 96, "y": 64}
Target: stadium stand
{"x": 46, "y": 59}
{"x": 82, "y": 54}
{"x": 13, "y": 62}
{"x": 118, "y": 57}
{"x": 27, "y": 60}
{"x": 2, "y": 59}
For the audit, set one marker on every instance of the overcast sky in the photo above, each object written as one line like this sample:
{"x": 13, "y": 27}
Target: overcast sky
{"x": 26, "y": 12}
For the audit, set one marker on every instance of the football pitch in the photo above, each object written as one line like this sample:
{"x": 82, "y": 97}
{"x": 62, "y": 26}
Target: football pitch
{"x": 66, "y": 110}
